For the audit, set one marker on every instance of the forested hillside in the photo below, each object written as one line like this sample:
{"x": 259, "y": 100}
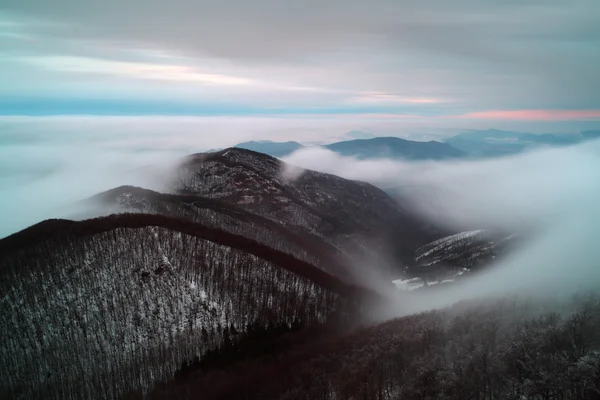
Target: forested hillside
{"x": 495, "y": 349}
{"x": 344, "y": 227}
{"x": 98, "y": 308}
{"x": 228, "y": 217}
{"x": 356, "y": 217}
{"x": 248, "y": 268}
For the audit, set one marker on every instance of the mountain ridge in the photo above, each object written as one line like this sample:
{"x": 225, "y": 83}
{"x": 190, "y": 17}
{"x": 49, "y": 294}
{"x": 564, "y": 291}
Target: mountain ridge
{"x": 469, "y": 144}
{"x": 58, "y": 228}
{"x": 336, "y": 209}
{"x": 394, "y": 147}
{"x": 239, "y": 253}
{"x": 126, "y": 298}
{"x": 366, "y": 148}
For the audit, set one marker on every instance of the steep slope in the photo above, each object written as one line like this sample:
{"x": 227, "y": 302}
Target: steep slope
{"x": 445, "y": 260}
{"x": 355, "y": 217}
{"x": 502, "y": 349}
{"x": 395, "y": 148}
{"x": 440, "y": 261}
{"x": 228, "y": 217}
{"x": 96, "y": 308}
{"x": 466, "y": 249}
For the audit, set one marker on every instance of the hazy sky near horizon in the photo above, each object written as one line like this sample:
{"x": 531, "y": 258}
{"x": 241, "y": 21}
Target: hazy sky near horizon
{"x": 463, "y": 62}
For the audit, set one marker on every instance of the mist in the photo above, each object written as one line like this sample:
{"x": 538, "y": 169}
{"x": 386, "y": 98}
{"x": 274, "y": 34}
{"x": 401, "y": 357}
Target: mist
{"x": 47, "y": 166}
{"x": 553, "y": 194}
{"x": 40, "y": 182}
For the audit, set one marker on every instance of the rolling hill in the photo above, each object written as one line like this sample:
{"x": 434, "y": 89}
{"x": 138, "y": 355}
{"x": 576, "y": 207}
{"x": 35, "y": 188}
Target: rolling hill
{"x": 395, "y": 148}
{"x": 246, "y": 256}
{"x": 105, "y": 306}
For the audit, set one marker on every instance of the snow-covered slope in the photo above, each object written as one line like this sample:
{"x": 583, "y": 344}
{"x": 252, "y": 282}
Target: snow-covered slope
{"x": 449, "y": 258}
{"x": 465, "y": 250}
{"x": 86, "y": 303}
{"x": 260, "y": 183}
{"x": 446, "y": 247}
{"x": 354, "y": 216}
{"x": 229, "y": 217}
{"x": 261, "y": 196}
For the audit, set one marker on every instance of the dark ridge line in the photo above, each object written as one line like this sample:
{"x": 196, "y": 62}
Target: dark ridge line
{"x": 180, "y": 198}
{"x": 55, "y": 229}
{"x": 314, "y": 245}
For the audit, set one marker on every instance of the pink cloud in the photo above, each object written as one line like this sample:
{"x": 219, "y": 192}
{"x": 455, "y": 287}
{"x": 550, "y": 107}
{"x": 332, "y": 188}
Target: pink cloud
{"x": 533, "y": 115}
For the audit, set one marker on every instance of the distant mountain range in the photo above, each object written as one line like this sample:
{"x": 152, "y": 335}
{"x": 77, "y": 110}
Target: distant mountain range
{"x": 494, "y": 142}
{"x": 392, "y": 147}
{"x": 378, "y": 147}
{"x": 472, "y": 144}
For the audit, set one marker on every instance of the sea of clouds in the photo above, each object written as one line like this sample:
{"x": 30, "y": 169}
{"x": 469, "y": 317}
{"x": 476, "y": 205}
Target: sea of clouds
{"x": 48, "y": 165}
{"x": 552, "y": 193}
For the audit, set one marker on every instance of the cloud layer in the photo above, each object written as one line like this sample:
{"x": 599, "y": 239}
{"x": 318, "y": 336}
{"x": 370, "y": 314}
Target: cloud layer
{"x": 509, "y": 193}
{"x": 400, "y": 57}
{"x": 554, "y": 194}
{"x": 49, "y": 164}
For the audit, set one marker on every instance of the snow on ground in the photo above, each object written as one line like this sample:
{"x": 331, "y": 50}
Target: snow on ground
{"x": 445, "y": 242}
{"x": 408, "y": 285}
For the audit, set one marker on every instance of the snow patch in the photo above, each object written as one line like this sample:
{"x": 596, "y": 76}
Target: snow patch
{"x": 446, "y": 241}
{"x": 409, "y": 284}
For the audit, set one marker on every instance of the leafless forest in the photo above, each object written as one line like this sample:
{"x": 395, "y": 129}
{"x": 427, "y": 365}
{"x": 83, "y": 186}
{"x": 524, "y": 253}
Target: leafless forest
{"x": 243, "y": 284}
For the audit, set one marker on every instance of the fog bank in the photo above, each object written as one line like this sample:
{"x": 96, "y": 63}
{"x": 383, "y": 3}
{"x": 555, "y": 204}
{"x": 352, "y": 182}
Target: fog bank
{"x": 554, "y": 193}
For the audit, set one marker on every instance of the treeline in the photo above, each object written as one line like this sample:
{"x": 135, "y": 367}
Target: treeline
{"x": 99, "y": 308}
{"x": 301, "y": 243}
{"x": 474, "y": 351}
{"x": 59, "y": 233}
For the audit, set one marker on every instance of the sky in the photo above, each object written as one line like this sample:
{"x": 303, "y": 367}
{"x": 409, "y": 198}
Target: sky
{"x": 432, "y": 63}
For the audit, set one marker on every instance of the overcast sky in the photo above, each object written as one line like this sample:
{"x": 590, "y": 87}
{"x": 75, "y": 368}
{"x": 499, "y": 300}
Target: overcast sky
{"x": 472, "y": 60}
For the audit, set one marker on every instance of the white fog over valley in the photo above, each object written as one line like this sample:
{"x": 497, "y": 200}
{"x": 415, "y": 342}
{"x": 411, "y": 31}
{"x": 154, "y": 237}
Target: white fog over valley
{"x": 298, "y": 200}
{"x": 551, "y": 193}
